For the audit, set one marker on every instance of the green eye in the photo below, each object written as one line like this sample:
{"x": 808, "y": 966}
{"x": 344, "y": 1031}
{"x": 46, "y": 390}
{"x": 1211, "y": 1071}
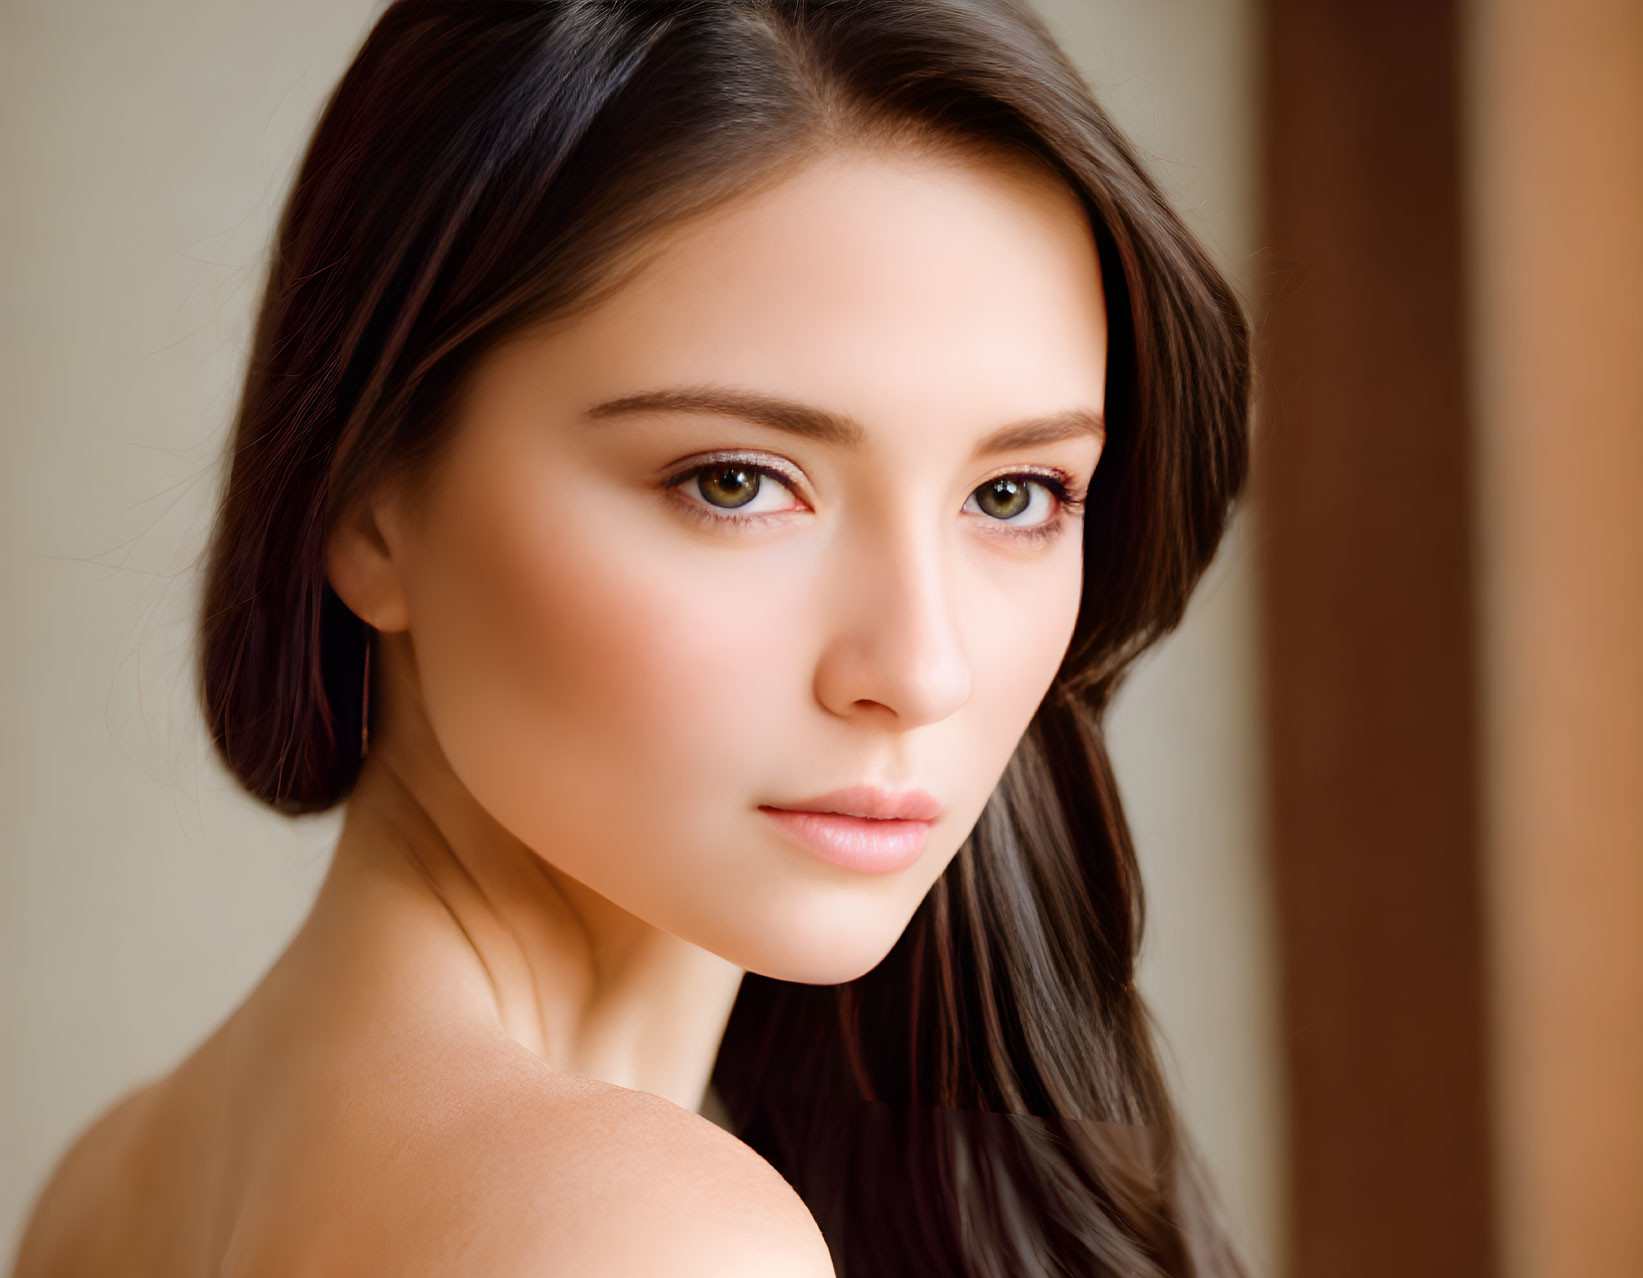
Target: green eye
{"x": 1004, "y": 498}
{"x": 725, "y": 485}
{"x": 735, "y": 484}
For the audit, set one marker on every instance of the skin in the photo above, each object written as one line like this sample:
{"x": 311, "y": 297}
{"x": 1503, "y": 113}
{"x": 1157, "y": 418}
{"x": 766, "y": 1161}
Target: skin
{"x": 553, "y": 872}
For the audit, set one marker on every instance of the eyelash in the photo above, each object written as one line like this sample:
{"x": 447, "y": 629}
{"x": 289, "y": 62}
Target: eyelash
{"x": 1056, "y": 482}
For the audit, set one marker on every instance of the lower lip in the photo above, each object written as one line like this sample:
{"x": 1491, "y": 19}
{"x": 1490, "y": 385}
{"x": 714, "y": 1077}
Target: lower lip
{"x": 855, "y": 843}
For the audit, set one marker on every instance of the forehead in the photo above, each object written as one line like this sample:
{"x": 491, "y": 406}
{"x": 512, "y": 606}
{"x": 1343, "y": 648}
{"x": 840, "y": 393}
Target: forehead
{"x": 889, "y": 288}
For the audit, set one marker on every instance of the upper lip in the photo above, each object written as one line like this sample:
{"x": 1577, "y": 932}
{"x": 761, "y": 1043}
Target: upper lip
{"x": 872, "y": 801}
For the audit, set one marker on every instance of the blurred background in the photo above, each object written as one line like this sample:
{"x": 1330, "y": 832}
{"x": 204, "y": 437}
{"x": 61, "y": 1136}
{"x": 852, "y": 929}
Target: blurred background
{"x": 1386, "y": 781}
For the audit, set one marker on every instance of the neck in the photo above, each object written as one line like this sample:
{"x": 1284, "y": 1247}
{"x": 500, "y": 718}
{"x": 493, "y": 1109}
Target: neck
{"x": 473, "y": 918}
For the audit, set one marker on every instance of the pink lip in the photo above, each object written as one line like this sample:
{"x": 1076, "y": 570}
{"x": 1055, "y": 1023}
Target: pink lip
{"x": 870, "y": 801}
{"x": 856, "y": 843}
{"x": 861, "y": 827}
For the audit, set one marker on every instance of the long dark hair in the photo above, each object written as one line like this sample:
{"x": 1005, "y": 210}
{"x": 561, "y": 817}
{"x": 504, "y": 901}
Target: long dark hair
{"x": 986, "y": 1101}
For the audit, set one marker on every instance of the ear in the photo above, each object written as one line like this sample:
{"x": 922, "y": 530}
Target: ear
{"x": 361, "y": 569}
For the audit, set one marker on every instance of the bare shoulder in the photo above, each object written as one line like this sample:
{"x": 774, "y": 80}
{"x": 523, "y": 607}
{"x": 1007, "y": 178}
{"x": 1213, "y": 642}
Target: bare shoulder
{"x": 634, "y": 1184}
{"x": 480, "y": 1161}
{"x": 81, "y": 1183}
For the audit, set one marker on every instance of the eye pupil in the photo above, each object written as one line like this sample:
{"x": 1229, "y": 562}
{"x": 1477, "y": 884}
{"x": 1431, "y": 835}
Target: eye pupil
{"x": 1013, "y": 498}
{"x": 740, "y": 483}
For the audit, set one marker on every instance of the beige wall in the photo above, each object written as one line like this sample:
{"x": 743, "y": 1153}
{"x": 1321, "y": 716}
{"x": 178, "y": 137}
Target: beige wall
{"x": 146, "y": 148}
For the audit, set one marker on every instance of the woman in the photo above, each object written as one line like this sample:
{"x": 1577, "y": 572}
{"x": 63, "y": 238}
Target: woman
{"x": 702, "y": 471}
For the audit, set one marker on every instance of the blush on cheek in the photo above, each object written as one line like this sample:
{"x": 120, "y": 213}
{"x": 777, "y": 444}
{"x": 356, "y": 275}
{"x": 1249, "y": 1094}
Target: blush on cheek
{"x": 631, "y": 668}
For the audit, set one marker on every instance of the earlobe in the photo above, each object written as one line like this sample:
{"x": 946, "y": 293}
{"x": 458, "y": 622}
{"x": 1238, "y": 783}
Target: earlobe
{"x": 361, "y": 569}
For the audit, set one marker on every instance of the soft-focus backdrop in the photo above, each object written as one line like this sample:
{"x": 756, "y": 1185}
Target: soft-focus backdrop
{"x": 1384, "y": 781}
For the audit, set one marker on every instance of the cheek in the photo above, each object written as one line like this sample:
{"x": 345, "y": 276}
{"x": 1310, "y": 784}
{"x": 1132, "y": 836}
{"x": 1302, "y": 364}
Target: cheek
{"x": 575, "y": 656}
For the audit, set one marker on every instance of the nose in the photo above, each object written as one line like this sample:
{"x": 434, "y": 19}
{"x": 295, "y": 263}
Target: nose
{"x": 895, "y": 647}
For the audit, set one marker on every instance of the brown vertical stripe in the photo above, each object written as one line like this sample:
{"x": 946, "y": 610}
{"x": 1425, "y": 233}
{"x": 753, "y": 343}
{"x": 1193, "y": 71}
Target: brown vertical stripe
{"x": 1364, "y": 505}
{"x": 1559, "y": 206}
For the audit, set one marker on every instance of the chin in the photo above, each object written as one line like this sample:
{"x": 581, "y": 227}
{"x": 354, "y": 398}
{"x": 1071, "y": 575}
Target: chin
{"x": 841, "y": 955}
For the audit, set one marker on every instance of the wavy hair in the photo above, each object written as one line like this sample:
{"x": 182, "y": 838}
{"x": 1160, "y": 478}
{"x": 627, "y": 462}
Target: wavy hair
{"x": 987, "y": 1101}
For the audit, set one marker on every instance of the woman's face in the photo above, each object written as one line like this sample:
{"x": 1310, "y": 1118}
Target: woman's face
{"x": 622, "y": 661}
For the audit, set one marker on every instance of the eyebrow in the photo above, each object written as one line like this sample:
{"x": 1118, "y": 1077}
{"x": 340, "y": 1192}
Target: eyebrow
{"x": 829, "y": 427}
